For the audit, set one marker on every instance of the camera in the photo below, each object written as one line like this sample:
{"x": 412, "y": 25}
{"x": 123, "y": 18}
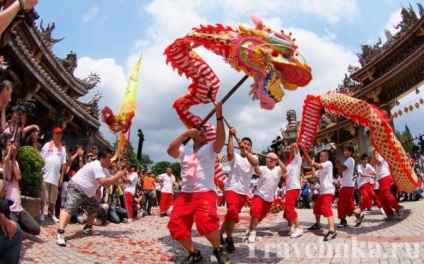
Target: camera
{"x": 30, "y": 17}
{"x": 3, "y": 70}
{"x": 5, "y": 207}
{"x": 4, "y": 67}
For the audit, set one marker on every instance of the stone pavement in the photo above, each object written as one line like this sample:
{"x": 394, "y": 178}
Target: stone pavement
{"x": 147, "y": 240}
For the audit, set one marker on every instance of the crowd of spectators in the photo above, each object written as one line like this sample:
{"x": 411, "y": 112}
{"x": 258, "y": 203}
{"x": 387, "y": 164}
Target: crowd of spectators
{"x": 123, "y": 203}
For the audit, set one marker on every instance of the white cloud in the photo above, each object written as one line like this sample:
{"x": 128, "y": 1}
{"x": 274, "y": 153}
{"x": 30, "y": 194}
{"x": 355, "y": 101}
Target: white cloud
{"x": 91, "y": 14}
{"x": 331, "y": 10}
{"x": 159, "y": 85}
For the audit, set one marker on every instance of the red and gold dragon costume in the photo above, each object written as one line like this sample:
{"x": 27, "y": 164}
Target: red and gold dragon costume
{"x": 265, "y": 55}
{"x": 270, "y": 58}
{"x": 374, "y": 119}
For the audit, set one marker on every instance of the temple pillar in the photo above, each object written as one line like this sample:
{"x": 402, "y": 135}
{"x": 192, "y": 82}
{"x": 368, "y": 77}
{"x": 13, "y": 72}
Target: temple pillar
{"x": 362, "y": 141}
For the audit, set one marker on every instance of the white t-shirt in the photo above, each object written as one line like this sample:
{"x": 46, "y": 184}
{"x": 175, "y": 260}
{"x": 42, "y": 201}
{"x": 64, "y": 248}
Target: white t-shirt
{"x": 203, "y": 180}
{"x": 376, "y": 185}
{"x": 240, "y": 175}
{"x": 347, "y": 180}
{"x": 131, "y": 186}
{"x": 383, "y": 170}
{"x": 325, "y": 176}
{"x": 293, "y": 173}
{"x": 53, "y": 163}
{"x": 86, "y": 177}
{"x": 168, "y": 182}
{"x": 368, "y": 169}
{"x": 268, "y": 182}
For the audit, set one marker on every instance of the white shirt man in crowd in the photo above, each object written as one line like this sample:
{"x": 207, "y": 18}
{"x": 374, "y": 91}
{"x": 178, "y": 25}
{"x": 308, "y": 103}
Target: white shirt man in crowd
{"x": 197, "y": 200}
{"x": 237, "y": 185}
{"x": 269, "y": 177}
{"x": 366, "y": 174}
{"x": 322, "y": 205}
{"x": 167, "y": 182}
{"x": 293, "y": 190}
{"x": 384, "y": 177}
{"x": 345, "y": 204}
{"x": 82, "y": 190}
{"x": 129, "y": 191}
{"x": 54, "y": 155}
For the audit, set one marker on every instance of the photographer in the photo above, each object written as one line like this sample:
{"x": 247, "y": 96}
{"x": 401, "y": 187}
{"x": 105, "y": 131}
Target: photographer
{"x": 8, "y": 14}
{"x": 10, "y": 234}
{"x": 5, "y": 97}
{"x": 12, "y": 175}
{"x": 16, "y": 129}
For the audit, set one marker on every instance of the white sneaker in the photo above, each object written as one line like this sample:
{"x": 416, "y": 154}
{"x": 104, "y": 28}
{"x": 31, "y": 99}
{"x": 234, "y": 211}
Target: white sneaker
{"x": 55, "y": 219}
{"x": 291, "y": 230}
{"x": 400, "y": 213}
{"x": 297, "y": 233}
{"x": 382, "y": 211}
{"x": 60, "y": 239}
{"x": 252, "y": 236}
{"x": 247, "y": 231}
{"x": 90, "y": 231}
{"x": 41, "y": 217}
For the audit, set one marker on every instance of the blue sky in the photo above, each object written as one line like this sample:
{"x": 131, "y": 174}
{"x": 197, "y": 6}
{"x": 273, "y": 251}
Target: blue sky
{"x": 108, "y": 37}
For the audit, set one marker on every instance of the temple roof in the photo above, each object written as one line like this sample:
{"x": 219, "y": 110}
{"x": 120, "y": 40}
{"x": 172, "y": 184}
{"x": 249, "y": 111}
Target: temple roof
{"x": 388, "y": 70}
{"x": 54, "y": 74}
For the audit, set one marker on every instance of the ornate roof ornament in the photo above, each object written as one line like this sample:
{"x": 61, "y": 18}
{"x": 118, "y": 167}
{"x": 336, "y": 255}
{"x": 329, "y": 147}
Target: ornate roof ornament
{"x": 369, "y": 52}
{"x": 409, "y": 18}
{"x": 420, "y": 9}
{"x": 70, "y": 63}
{"x": 46, "y": 34}
{"x": 93, "y": 104}
{"x": 348, "y": 86}
{"x": 93, "y": 79}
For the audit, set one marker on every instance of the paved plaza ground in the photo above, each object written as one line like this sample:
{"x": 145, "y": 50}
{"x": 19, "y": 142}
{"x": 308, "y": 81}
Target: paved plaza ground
{"x": 147, "y": 240}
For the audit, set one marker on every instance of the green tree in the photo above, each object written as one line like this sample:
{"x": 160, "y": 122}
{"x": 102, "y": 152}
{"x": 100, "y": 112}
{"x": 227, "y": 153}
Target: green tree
{"x": 160, "y": 167}
{"x": 406, "y": 139}
{"x": 176, "y": 170}
{"x": 146, "y": 161}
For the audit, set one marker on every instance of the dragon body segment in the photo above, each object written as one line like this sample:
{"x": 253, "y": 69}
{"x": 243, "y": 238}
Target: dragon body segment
{"x": 374, "y": 119}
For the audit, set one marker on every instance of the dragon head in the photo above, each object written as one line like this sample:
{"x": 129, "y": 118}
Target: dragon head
{"x": 269, "y": 57}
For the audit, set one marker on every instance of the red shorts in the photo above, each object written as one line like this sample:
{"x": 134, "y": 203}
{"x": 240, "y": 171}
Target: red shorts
{"x": 234, "y": 202}
{"x": 322, "y": 205}
{"x": 259, "y": 208}
{"x": 289, "y": 210}
{"x": 193, "y": 207}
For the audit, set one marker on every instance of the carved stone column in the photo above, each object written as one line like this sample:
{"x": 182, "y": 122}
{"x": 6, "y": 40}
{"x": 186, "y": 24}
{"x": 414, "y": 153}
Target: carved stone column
{"x": 362, "y": 141}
